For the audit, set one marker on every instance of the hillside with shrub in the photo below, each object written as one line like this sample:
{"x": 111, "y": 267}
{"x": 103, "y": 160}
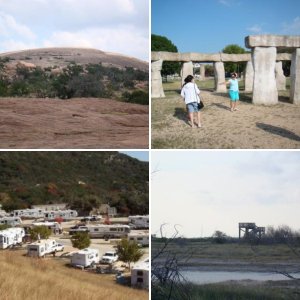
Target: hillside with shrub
{"x": 84, "y": 180}
{"x": 70, "y": 73}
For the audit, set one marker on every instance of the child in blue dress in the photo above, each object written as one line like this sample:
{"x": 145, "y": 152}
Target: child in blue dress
{"x": 233, "y": 91}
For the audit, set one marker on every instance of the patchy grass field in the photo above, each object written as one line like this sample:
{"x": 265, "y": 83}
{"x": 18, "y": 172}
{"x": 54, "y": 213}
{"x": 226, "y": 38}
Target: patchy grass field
{"x": 29, "y": 278}
{"x": 252, "y": 127}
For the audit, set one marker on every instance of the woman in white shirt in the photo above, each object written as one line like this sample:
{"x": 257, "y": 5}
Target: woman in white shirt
{"x": 190, "y": 93}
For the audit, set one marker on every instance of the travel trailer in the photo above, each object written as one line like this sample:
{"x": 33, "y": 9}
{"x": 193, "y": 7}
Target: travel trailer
{"x": 11, "y": 221}
{"x": 29, "y": 213}
{"x": 139, "y": 222}
{"x": 43, "y": 247}
{"x": 108, "y": 231}
{"x": 11, "y": 237}
{"x": 64, "y": 214}
{"x": 141, "y": 238}
{"x": 102, "y": 231}
{"x": 85, "y": 258}
{"x": 54, "y": 226}
{"x": 140, "y": 274}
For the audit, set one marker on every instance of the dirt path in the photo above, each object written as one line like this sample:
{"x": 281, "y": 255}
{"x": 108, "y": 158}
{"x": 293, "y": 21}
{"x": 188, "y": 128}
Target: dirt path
{"x": 253, "y": 126}
{"x": 75, "y": 123}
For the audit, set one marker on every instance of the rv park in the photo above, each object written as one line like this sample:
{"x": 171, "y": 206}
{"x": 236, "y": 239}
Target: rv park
{"x": 82, "y": 271}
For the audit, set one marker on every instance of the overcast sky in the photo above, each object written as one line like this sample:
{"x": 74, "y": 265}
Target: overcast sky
{"x": 215, "y": 190}
{"x": 120, "y": 26}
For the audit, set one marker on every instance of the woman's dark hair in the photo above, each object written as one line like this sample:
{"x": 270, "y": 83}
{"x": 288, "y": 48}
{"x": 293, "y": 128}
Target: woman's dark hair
{"x": 188, "y": 79}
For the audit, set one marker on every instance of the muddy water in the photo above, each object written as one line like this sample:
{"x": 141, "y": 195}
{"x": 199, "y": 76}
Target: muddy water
{"x": 202, "y": 277}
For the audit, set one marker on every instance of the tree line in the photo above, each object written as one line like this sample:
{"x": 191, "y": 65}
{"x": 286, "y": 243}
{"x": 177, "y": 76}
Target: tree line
{"x": 92, "y": 80}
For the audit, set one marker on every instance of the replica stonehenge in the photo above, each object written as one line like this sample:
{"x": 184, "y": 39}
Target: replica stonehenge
{"x": 263, "y": 75}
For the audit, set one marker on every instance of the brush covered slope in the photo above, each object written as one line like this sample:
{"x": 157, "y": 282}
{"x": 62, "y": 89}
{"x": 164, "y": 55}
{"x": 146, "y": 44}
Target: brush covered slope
{"x": 84, "y": 180}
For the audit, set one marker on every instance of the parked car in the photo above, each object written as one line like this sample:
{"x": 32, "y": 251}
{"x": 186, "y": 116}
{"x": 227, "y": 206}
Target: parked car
{"x": 109, "y": 257}
{"x": 60, "y": 247}
{"x": 77, "y": 228}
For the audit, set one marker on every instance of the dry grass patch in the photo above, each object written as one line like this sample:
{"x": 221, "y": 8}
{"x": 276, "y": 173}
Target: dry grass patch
{"x": 26, "y": 278}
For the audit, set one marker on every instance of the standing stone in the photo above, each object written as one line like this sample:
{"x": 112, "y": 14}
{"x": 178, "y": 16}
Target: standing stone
{"x": 295, "y": 77}
{"x": 202, "y": 71}
{"x": 280, "y": 78}
{"x": 219, "y": 70}
{"x": 157, "y": 90}
{"x": 187, "y": 69}
{"x": 264, "y": 85}
{"x": 249, "y": 74}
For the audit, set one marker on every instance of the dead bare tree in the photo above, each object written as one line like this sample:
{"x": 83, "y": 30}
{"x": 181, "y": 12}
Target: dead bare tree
{"x": 166, "y": 278}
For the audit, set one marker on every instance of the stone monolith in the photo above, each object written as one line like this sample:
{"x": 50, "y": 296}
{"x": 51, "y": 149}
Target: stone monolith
{"x": 219, "y": 70}
{"x": 280, "y": 78}
{"x": 249, "y": 74}
{"x": 295, "y": 77}
{"x": 202, "y": 71}
{"x": 187, "y": 69}
{"x": 157, "y": 90}
{"x": 264, "y": 83}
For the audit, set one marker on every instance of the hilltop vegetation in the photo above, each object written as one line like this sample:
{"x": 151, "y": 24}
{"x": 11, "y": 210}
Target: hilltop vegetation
{"x": 84, "y": 180}
{"x": 74, "y": 80}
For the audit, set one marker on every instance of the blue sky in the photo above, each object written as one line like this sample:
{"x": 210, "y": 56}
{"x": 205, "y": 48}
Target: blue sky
{"x": 209, "y": 25}
{"x": 120, "y": 26}
{"x": 140, "y": 155}
{"x": 204, "y": 191}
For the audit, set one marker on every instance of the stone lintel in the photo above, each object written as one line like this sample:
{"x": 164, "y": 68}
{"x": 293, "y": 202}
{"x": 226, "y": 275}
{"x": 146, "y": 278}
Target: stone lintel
{"x": 209, "y": 57}
{"x": 268, "y": 40}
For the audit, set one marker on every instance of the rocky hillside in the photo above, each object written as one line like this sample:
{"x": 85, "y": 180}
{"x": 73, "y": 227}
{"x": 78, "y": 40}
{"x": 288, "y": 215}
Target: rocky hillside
{"x": 61, "y": 57}
{"x": 84, "y": 180}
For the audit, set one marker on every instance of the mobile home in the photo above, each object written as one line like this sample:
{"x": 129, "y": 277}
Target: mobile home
{"x": 11, "y": 221}
{"x": 108, "y": 231}
{"x": 54, "y": 226}
{"x": 139, "y": 222}
{"x": 42, "y": 248}
{"x": 11, "y": 237}
{"x": 85, "y": 258}
{"x": 64, "y": 214}
{"x": 140, "y": 274}
{"x": 141, "y": 238}
{"x": 29, "y": 213}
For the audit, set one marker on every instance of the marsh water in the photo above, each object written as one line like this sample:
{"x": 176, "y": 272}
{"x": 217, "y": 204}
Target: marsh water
{"x": 202, "y": 277}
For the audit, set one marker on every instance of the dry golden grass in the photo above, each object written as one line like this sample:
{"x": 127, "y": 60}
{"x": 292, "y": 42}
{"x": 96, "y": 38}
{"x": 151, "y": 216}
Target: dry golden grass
{"x": 27, "y": 278}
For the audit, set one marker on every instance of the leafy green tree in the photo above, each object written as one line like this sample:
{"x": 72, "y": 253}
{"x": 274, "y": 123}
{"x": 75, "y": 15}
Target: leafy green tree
{"x": 219, "y": 237}
{"x": 231, "y": 66}
{"x": 161, "y": 43}
{"x": 80, "y": 240}
{"x": 41, "y": 232}
{"x": 129, "y": 251}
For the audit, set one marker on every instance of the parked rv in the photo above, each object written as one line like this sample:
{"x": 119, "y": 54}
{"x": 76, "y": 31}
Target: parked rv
{"x": 29, "y": 213}
{"x": 103, "y": 231}
{"x": 141, "y": 238}
{"x": 93, "y": 218}
{"x": 55, "y": 227}
{"x": 139, "y": 222}
{"x": 140, "y": 274}
{"x": 85, "y": 258}
{"x": 109, "y": 257}
{"x": 64, "y": 214}
{"x": 43, "y": 247}
{"x": 11, "y": 237}
{"x": 11, "y": 221}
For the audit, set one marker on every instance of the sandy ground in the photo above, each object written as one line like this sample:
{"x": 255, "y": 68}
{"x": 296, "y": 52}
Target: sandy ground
{"x": 76, "y": 123}
{"x": 252, "y": 127}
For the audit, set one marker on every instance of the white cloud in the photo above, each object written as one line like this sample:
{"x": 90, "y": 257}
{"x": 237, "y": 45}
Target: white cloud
{"x": 292, "y": 27}
{"x": 9, "y": 26}
{"x": 224, "y": 2}
{"x": 255, "y": 29}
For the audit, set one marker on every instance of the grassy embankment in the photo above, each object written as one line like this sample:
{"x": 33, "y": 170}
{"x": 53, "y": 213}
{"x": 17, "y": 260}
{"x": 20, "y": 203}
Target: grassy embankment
{"x": 26, "y": 278}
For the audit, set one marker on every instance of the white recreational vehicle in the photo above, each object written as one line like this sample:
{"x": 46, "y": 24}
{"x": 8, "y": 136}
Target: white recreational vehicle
{"x": 29, "y": 213}
{"x": 54, "y": 226}
{"x": 64, "y": 214}
{"x": 43, "y": 247}
{"x": 3, "y": 213}
{"x": 140, "y": 274}
{"x": 103, "y": 231}
{"x": 141, "y": 238}
{"x": 85, "y": 258}
{"x": 11, "y": 221}
{"x": 11, "y": 237}
{"x": 138, "y": 222}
